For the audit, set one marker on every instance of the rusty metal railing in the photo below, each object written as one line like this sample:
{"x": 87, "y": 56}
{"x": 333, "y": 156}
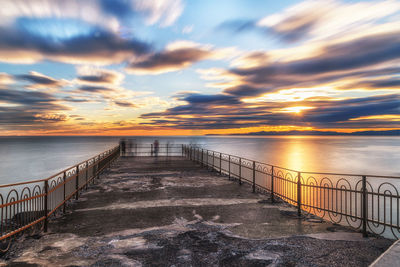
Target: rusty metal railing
{"x": 28, "y": 205}
{"x": 370, "y": 203}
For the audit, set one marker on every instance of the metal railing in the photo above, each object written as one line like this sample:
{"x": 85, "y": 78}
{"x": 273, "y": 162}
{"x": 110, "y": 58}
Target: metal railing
{"x": 28, "y": 205}
{"x": 150, "y": 150}
{"x": 370, "y": 203}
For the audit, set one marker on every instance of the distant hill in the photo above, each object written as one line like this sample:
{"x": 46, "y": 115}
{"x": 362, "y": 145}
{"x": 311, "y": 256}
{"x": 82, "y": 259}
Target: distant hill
{"x": 361, "y": 133}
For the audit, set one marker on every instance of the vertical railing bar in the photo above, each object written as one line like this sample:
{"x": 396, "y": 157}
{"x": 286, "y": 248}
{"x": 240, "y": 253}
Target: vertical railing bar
{"x": 240, "y": 171}
{"x": 220, "y": 163}
{"x": 364, "y": 206}
{"x": 299, "y": 194}
{"x": 77, "y": 182}
{"x": 213, "y": 164}
{"x": 64, "y": 178}
{"x": 97, "y": 168}
{"x": 254, "y": 176}
{"x": 46, "y": 192}
{"x": 229, "y": 167}
{"x": 272, "y": 184}
{"x": 86, "y": 174}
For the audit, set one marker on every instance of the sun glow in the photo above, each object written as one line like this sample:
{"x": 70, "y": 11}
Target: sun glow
{"x": 389, "y": 117}
{"x": 297, "y": 109}
{"x": 293, "y": 95}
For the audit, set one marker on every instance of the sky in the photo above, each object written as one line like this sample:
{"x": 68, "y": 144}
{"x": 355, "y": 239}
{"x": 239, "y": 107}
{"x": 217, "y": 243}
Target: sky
{"x": 196, "y": 67}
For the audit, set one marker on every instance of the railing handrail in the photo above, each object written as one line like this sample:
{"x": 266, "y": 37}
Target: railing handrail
{"x": 60, "y": 172}
{"x": 359, "y": 203}
{"x": 296, "y": 171}
{"x": 35, "y": 201}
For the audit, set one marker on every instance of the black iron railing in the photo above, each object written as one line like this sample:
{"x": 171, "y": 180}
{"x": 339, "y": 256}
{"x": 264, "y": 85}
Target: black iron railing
{"x": 28, "y": 205}
{"x": 370, "y": 203}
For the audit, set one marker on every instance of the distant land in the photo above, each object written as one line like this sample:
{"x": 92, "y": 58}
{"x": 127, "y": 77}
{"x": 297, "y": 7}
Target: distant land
{"x": 361, "y": 133}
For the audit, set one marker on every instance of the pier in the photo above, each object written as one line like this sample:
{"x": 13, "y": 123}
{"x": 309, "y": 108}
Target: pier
{"x": 168, "y": 210}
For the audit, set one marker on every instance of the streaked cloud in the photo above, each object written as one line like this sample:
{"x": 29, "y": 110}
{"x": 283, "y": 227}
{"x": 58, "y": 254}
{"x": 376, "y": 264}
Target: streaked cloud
{"x": 38, "y": 80}
{"x": 94, "y": 89}
{"x": 166, "y": 12}
{"x": 78, "y": 32}
{"x": 103, "y": 47}
{"x": 94, "y": 65}
{"x": 93, "y": 75}
{"x": 5, "y": 79}
{"x": 106, "y": 13}
{"x": 125, "y": 104}
{"x": 29, "y": 108}
{"x": 316, "y": 20}
{"x": 175, "y": 57}
{"x": 332, "y": 63}
{"x": 219, "y": 112}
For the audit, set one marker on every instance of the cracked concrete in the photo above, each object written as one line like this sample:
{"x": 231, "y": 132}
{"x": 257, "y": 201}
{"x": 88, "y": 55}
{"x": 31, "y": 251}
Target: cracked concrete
{"x": 171, "y": 212}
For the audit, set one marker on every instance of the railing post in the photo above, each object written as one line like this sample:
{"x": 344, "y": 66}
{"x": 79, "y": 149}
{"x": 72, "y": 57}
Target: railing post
{"x": 229, "y": 167}
{"x": 46, "y": 192}
{"x": 364, "y": 206}
{"x": 240, "y": 171}
{"x": 86, "y": 173}
{"x": 299, "y": 194}
{"x": 272, "y": 184}
{"x": 199, "y": 155}
{"x": 182, "y": 150}
{"x": 94, "y": 169}
{"x": 151, "y": 150}
{"x": 202, "y": 157}
{"x": 220, "y": 163}
{"x": 167, "y": 150}
{"x": 97, "y": 168}
{"x": 207, "y": 159}
{"x": 64, "y": 178}
{"x": 213, "y": 163}
{"x": 254, "y": 176}
{"x": 77, "y": 182}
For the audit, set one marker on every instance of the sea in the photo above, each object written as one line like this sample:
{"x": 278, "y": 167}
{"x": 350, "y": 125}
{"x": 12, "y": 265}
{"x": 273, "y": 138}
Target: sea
{"x": 31, "y": 158}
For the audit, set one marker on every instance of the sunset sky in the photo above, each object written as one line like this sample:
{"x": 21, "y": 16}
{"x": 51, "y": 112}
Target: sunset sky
{"x": 176, "y": 67}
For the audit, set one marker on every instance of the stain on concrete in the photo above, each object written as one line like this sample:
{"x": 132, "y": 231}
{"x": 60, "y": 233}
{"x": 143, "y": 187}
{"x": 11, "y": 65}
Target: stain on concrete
{"x": 172, "y": 212}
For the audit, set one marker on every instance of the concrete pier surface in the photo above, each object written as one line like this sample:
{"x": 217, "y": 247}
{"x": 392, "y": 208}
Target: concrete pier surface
{"x": 172, "y": 212}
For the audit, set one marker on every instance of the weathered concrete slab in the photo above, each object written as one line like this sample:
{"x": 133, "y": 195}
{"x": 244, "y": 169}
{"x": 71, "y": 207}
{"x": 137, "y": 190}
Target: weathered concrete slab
{"x": 391, "y": 257}
{"x": 171, "y": 212}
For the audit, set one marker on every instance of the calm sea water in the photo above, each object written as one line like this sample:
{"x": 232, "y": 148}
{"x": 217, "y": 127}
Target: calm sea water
{"x": 29, "y": 158}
